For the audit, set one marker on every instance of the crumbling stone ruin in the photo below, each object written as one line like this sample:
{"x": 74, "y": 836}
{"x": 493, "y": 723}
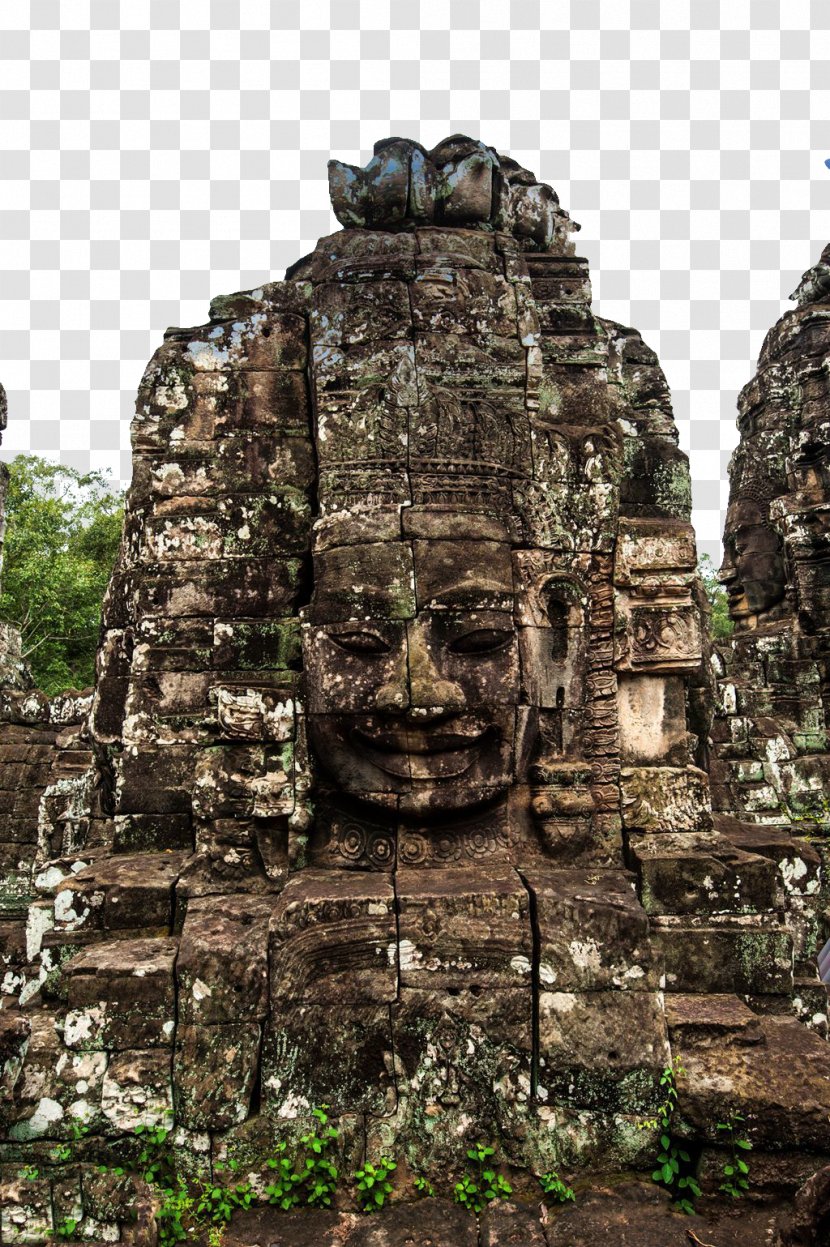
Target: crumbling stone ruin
{"x": 393, "y": 792}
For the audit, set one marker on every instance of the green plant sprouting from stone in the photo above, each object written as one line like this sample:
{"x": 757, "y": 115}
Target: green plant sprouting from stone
{"x": 674, "y": 1164}
{"x": 553, "y": 1185}
{"x": 308, "y": 1178}
{"x": 735, "y": 1169}
{"x": 208, "y": 1203}
{"x": 373, "y": 1185}
{"x": 204, "y": 1205}
{"x": 320, "y": 1173}
{"x": 62, "y": 1152}
{"x": 283, "y": 1189}
{"x": 479, "y": 1187}
{"x": 218, "y": 1202}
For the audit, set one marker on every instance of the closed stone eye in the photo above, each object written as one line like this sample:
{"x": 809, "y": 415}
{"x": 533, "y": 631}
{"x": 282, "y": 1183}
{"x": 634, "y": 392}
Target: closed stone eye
{"x": 481, "y": 641}
{"x": 368, "y": 643}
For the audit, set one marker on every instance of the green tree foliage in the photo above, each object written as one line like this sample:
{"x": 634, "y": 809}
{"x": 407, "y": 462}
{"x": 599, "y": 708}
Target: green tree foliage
{"x": 720, "y": 625}
{"x": 62, "y": 535}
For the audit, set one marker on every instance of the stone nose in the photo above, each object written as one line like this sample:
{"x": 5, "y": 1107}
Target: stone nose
{"x": 431, "y": 695}
{"x": 392, "y": 697}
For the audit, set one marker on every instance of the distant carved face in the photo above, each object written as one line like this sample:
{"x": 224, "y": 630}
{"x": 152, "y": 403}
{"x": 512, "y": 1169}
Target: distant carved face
{"x": 753, "y": 565}
{"x": 411, "y": 658}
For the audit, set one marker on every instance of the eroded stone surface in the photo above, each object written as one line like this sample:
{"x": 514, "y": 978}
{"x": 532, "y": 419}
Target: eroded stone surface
{"x": 392, "y": 794}
{"x": 771, "y": 764}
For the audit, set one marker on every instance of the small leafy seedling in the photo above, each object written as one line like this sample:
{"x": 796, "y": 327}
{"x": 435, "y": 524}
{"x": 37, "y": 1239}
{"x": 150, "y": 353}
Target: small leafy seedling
{"x": 477, "y": 1189}
{"x": 553, "y": 1185}
{"x": 674, "y": 1164}
{"x": 423, "y": 1186}
{"x": 154, "y": 1158}
{"x": 66, "y": 1228}
{"x": 735, "y": 1170}
{"x": 62, "y": 1152}
{"x": 176, "y": 1215}
{"x": 218, "y": 1202}
{"x": 283, "y": 1189}
{"x": 373, "y": 1185}
{"x": 320, "y": 1174}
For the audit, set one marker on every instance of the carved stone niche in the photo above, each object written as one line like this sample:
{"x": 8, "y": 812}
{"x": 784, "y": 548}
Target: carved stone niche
{"x": 658, "y": 623}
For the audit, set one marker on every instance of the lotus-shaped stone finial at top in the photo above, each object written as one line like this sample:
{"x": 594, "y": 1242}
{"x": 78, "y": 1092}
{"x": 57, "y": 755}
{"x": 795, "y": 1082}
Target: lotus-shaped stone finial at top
{"x": 461, "y": 183}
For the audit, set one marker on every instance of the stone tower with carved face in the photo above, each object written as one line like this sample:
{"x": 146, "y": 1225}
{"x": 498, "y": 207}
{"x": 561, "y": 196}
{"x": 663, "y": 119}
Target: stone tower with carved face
{"x": 771, "y": 757}
{"x": 398, "y": 802}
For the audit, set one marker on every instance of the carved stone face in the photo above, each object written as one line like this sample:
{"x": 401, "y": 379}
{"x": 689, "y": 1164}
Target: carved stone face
{"x": 753, "y": 566}
{"x": 413, "y": 677}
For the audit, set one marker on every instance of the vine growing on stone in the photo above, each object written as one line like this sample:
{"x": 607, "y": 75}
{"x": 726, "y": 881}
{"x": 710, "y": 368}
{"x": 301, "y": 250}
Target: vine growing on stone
{"x": 674, "y": 1164}
{"x": 735, "y": 1169}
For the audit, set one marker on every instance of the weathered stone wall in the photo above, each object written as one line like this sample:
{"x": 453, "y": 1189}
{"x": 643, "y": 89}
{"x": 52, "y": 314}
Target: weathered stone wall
{"x": 771, "y": 766}
{"x": 397, "y": 798}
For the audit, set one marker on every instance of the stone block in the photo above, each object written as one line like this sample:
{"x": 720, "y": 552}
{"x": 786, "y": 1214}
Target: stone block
{"x": 593, "y": 933}
{"x": 602, "y": 1049}
{"x": 313, "y": 1055}
{"x": 215, "y": 1069}
{"x": 725, "y": 953}
{"x": 652, "y": 717}
{"x": 342, "y": 573}
{"x": 154, "y": 781}
{"x": 152, "y": 833}
{"x": 121, "y": 995}
{"x": 275, "y": 341}
{"x": 459, "y": 361}
{"x": 463, "y": 928}
{"x": 123, "y": 893}
{"x": 431, "y": 1222}
{"x": 366, "y": 311}
{"x": 657, "y": 637}
{"x": 222, "y": 966}
{"x": 463, "y": 1061}
{"x": 698, "y": 1020}
{"x": 255, "y": 644}
{"x": 242, "y": 781}
{"x": 333, "y": 936}
{"x": 653, "y": 547}
{"x": 26, "y": 1210}
{"x": 270, "y": 401}
{"x": 462, "y": 301}
{"x": 780, "y": 1086}
{"x": 221, "y": 587}
{"x": 172, "y": 645}
{"x": 512, "y": 1225}
{"x": 55, "y": 1088}
{"x": 661, "y": 798}
{"x": 137, "y": 1089}
{"x": 701, "y": 873}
